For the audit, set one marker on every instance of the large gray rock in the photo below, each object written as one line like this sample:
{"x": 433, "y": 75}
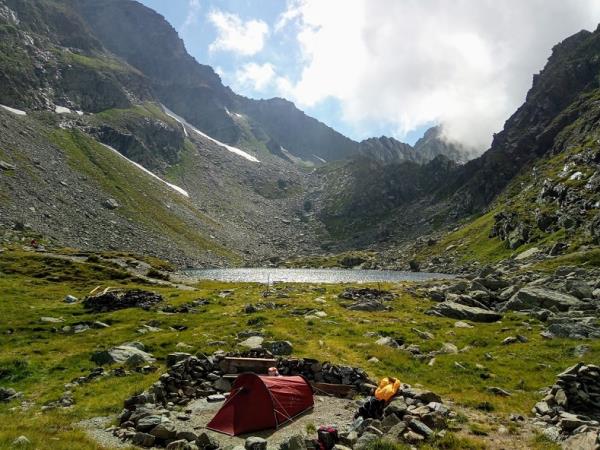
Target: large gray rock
{"x": 531, "y": 297}
{"x": 164, "y": 431}
{"x": 126, "y": 354}
{"x": 143, "y": 439}
{"x": 255, "y": 443}
{"x": 363, "y": 442}
{"x": 21, "y": 442}
{"x": 252, "y": 342}
{"x": 579, "y": 288}
{"x": 279, "y": 348}
{"x": 588, "y": 440}
{"x": 295, "y": 442}
{"x": 368, "y": 305}
{"x": 458, "y": 311}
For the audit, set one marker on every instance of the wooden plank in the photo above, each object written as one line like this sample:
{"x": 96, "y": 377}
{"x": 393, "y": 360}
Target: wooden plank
{"x": 266, "y": 362}
{"x": 238, "y": 365}
{"x": 338, "y": 390}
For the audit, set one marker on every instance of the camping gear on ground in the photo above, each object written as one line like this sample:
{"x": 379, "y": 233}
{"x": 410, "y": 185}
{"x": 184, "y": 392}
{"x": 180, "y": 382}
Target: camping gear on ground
{"x": 387, "y": 388}
{"x": 261, "y": 402}
{"x": 372, "y": 408}
{"x": 328, "y": 437}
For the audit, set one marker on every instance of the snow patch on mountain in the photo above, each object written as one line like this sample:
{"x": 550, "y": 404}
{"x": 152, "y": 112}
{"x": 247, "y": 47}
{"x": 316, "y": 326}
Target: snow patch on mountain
{"x": 232, "y": 149}
{"x": 152, "y": 174}
{"x": 62, "y": 110}
{"x": 14, "y": 110}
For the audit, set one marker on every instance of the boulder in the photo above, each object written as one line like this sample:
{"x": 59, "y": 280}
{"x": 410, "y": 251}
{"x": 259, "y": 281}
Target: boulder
{"x": 143, "y": 439}
{"x": 110, "y": 203}
{"x": 206, "y": 442}
{"x": 419, "y": 427}
{"x": 8, "y": 394}
{"x": 368, "y": 305}
{"x": 21, "y": 442}
{"x": 579, "y": 288}
{"x": 255, "y": 443}
{"x": 147, "y": 423}
{"x": 533, "y": 297}
{"x": 588, "y": 440}
{"x": 163, "y": 431}
{"x": 294, "y": 442}
{"x": 120, "y": 299}
{"x": 421, "y": 395}
{"x": 279, "y": 348}
{"x": 365, "y": 440}
{"x": 387, "y": 341}
{"x": 252, "y": 342}
{"x": 174, "y": 358}
{"x": 463, "y": 312}
{"x": 123, "y": 354}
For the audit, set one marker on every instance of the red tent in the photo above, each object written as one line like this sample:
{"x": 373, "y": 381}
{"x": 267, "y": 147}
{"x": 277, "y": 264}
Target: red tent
{"x": 260, "y": 402}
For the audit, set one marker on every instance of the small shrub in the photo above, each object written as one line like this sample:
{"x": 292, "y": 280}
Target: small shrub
{"x": 485, "y": 406}
{"x": 479, "y": 429}
{"x": 15, "y": 370}
{"x": 93, "y": 259}
{"x": 258, "y": 320}
{"x": 153, "y": 273}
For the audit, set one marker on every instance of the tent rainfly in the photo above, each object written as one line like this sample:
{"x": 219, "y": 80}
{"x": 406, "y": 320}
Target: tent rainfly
{"x": 261, "y": 402}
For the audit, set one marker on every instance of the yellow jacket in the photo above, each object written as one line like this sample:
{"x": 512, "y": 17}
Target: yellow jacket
{"x": 388, "y": 387}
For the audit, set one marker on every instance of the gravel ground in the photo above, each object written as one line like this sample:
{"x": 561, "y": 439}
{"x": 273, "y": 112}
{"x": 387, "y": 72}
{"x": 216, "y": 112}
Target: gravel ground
{"x": 327, "y": 411}
{"x": 96, "y": 429}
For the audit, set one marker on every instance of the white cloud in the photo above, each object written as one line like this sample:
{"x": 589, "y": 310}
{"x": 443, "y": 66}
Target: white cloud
{"x": 261, "y": 78}
{"x": 466, "y": 64}
{"x": 193, "y": 13}
{"x": 257, "y": 76}
{"x": 237, "y": 36}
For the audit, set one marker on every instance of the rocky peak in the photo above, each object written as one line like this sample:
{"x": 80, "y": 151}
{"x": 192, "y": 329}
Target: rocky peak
{"x": 390, "y": 150}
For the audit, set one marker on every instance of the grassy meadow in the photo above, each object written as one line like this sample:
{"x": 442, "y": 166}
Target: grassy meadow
{"x": 38, "y": 358}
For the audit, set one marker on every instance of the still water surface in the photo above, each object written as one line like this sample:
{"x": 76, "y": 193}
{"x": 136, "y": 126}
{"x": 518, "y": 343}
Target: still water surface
{"x": 264, "y": 275}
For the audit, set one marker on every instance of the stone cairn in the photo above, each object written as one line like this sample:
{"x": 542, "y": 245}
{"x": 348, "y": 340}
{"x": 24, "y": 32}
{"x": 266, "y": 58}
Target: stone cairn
{"x": 570, "y": 411}
{"x": 145, "y": 420}
{"x": 120, "y": 299}
{"x": 412, "y": 416}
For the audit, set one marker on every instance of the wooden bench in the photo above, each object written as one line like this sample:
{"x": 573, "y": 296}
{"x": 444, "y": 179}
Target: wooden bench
{"x": 337, "y": 390}
{"x": 232, "y": 366}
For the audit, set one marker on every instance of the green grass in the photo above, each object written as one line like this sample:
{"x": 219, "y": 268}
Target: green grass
{"x": 99, "y": 63}
{"x": 38, "y": 358}
{"x": 472, "y": 242}
{"x": 123, "y": 116}
{"x": 585, "y": 258}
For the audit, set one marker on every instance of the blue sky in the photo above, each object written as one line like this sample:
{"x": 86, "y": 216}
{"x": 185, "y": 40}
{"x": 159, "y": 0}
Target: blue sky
{"x": 191, "y": 20}
{"x": 383, "y": 67}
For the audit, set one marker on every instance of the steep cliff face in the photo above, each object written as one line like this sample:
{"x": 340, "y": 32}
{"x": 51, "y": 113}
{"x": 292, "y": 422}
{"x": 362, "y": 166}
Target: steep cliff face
{"x": 571, "y": 72}
{"x": 146, "y": 41}
{"x": 539, "y": 177}
{"x": 49, "y": 57}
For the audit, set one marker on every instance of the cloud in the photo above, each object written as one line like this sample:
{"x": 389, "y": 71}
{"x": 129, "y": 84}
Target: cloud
{"x": 193, "y": 13}
{"x": 256, "y": 76}
{"x": 235, "y": 35}
{"x": 260, "y": 78}
{"x": 466, "y": 64}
